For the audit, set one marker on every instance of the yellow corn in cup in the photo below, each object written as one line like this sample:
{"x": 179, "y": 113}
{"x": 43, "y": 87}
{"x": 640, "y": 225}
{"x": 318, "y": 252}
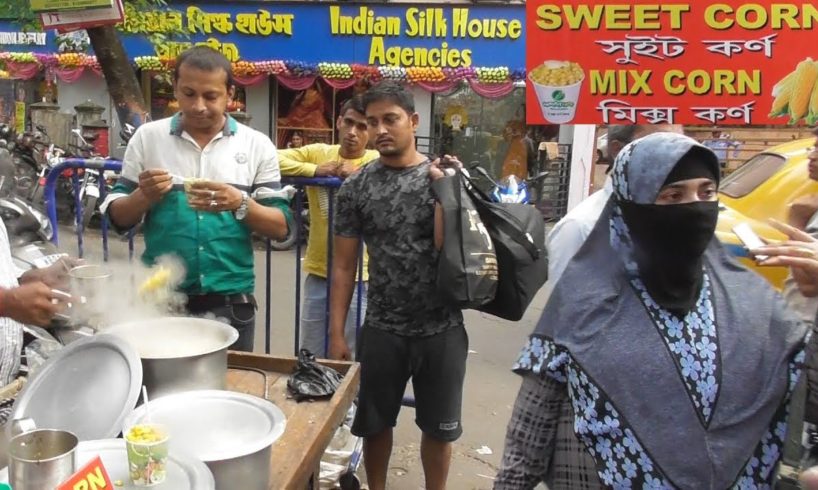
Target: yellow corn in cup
{"x": 557, "y": 85}
{"x": 147, "y": 447}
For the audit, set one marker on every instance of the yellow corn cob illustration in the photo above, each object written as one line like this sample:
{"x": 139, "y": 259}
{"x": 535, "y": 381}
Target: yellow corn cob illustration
{"x": 778, "y": 87}
{"x": 782, "y": 98}
{"x": 813, "y": 106}
{"x": 805, "y": 76}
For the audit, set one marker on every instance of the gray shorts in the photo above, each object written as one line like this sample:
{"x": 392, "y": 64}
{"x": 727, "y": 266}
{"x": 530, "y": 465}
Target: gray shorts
{"x": 437, "y": 366}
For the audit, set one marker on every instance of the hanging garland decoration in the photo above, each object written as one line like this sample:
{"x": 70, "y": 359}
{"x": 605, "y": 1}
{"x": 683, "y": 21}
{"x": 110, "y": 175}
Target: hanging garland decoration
{"x": 487, "y": 81}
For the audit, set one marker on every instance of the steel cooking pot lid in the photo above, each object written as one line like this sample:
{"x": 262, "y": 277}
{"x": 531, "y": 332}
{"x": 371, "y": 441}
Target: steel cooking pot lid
{"x": 87, "y": 388}
{"x": 215, "y": 425}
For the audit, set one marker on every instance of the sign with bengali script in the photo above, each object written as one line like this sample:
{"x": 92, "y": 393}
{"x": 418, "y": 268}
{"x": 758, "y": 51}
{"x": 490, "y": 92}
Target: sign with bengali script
{"x": 444, "y": 36}
{"x": 693, "y": 62}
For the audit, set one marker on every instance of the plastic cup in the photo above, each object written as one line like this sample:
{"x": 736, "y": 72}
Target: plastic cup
{"x": 147, "y": 446}
{"x": 557, "y": 103}
{"x": 188, "y": 183}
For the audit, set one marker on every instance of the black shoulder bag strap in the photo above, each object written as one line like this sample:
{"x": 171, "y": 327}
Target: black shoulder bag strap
{"x": 480, "y": 199}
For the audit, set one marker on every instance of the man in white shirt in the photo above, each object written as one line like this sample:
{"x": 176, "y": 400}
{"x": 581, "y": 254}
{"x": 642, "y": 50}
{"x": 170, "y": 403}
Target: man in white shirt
{"x": 570, "y": 232}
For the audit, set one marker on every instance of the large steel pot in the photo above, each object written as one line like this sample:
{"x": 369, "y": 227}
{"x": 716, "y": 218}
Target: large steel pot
{"x": 232, "y": 433}
{"x": 179, "y": 354}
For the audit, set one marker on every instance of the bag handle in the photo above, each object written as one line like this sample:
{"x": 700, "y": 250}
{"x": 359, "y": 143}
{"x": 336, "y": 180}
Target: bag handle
{"x": 480, "y": 199}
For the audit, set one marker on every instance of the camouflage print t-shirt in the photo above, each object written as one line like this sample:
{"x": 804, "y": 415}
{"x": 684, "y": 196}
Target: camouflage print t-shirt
{"x": 393, "y": 211}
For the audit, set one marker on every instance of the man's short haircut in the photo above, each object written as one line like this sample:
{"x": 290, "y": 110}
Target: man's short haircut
{"x": 622, "y": 132}
{"x": 393, "y": 92}
{"x": 206, "y": 59}
{"x": 356, "y": 103}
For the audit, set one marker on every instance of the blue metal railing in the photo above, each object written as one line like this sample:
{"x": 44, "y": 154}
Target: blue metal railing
{"x": 50, "y": 198}
{"x": 331, "y": 184}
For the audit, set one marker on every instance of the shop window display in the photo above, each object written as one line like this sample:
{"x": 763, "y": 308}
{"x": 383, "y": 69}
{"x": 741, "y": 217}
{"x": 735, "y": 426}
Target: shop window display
{"x": 489, "y": 132}
{"x": 163, "y": 102}
{"x": 308, "y": 116}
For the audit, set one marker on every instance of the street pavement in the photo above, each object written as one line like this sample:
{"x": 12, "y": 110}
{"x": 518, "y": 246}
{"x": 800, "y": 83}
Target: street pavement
{"x": 490, "y": 386}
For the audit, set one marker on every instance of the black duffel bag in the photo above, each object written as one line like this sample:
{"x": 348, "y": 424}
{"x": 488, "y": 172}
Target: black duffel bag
{"x": 518, "y": 234}
{"x": 467, "y": 264}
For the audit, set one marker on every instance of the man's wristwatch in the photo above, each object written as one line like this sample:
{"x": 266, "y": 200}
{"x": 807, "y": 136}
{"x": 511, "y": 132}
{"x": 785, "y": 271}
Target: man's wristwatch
{"x": 241, "y": 212}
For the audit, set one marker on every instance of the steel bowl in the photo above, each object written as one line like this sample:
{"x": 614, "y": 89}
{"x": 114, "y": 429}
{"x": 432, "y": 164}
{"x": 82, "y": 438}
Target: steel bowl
{"x": 232, "y": 433}
{"x": 178, "y": 353}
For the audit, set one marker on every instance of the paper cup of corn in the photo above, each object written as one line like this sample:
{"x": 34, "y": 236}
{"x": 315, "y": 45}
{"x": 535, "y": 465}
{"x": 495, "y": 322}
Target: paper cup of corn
{"x": 557, "y": 85}
{"x": 147, "y": 447}
{"x": 190, "y": 181}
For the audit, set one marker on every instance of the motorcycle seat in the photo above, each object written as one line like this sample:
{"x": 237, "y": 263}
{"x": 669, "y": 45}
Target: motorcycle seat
{"x": 24, "y": 225}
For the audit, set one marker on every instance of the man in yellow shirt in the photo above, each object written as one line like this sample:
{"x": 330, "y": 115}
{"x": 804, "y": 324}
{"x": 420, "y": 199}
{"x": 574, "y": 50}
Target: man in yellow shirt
{"x": 321, "y": 160}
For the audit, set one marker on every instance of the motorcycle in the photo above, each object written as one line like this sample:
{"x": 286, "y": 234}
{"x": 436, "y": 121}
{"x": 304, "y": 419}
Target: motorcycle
{"x": 29, "y": 230}
{"x": 511, "y": 189}
{"x": 288, "y": 241}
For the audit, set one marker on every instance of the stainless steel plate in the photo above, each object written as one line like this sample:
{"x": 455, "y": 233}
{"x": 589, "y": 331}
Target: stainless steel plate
{"x": 87, "y": 388}
{"x": 183, "y": 472}
{"x": 215, "y": 425}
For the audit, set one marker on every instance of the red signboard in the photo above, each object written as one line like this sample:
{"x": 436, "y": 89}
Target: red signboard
{"x": 92, "y": 476}
{"x": 694, "y": 62}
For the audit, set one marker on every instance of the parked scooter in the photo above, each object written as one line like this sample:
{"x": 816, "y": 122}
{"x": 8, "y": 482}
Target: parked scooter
{"x": 29, "y": 230}
{"x": 510, "y": 189}
{"x": 288, "y": 241}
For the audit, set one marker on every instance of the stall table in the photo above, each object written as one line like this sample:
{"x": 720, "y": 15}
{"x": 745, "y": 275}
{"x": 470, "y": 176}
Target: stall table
{"x": 296, "y": 455}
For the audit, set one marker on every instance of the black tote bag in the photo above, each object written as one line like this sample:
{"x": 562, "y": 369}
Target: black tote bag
{"x": 467, "y": 265}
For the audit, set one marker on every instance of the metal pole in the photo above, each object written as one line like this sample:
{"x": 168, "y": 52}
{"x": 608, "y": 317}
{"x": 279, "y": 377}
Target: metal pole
{"x": 330, "y": 219}
{"x": 103, "y": 192}
{"x": 267, "y": 295}
{"x": 78, "y": 224}
{"x": 298, "y": 205}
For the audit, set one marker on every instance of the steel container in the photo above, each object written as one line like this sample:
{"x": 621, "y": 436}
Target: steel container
{"x": 179, "y": 354}
{"x": 232, "y": 433}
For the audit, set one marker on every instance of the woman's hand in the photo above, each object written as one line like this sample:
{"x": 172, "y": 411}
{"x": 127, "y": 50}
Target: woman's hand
{"x": 799, "y": 252}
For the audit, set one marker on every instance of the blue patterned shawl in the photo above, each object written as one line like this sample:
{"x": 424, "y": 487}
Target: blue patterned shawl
{"x": 663, "y": 402}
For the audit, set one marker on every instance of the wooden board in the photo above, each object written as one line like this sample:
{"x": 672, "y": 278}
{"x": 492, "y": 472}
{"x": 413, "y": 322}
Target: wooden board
{"x": 310, "y": 425}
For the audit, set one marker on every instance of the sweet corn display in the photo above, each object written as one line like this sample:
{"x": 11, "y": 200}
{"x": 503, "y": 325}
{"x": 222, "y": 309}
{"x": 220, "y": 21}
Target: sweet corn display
{"x": 156, "y": 281}
{"x": 147, "y": 447}
{"x": 145, "y": 434}
{"x": 557, "y": 73}
{"x": 796, "y": 95}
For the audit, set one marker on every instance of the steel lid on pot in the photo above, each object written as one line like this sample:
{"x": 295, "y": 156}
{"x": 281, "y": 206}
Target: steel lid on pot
{"x": 87, "y": 388}
{"x": 214, "y": 425}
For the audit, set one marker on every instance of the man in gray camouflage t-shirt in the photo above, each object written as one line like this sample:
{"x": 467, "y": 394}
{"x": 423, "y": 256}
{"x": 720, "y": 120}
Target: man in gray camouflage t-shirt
{"x": 408, "y": 331}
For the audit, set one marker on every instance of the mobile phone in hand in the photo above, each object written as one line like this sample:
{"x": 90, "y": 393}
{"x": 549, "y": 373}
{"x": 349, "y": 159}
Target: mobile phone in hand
{"x": 749, "y": 238}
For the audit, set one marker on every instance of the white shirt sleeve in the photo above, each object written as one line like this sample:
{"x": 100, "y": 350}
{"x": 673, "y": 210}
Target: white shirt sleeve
{"x": 267, "y": 182}
{"x": 133, "y": 163}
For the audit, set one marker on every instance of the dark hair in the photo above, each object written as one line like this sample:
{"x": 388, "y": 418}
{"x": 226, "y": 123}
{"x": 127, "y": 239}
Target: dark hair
{"x": 206, "y": 59}
{"x": 815, "y": 130}
{"x": 393, "y": 92}
{"x": 356, "y": 103}
{"x": 622, "y": 132}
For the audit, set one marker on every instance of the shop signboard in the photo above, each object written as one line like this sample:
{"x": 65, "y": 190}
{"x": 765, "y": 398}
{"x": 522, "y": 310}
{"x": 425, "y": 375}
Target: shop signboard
{"x": 687, "y": 62}
{"x": 432, "y": 35}
{"x": 64, "y": 5}
{"x": 83, "y": 19}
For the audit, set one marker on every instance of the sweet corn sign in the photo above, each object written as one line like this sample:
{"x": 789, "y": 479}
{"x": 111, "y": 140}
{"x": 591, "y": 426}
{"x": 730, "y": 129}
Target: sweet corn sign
{"x": 693, "y": 62}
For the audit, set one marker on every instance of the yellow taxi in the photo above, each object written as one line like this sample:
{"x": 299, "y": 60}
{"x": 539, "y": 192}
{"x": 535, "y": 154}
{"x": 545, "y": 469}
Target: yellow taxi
{"x": 762, "y": 189}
